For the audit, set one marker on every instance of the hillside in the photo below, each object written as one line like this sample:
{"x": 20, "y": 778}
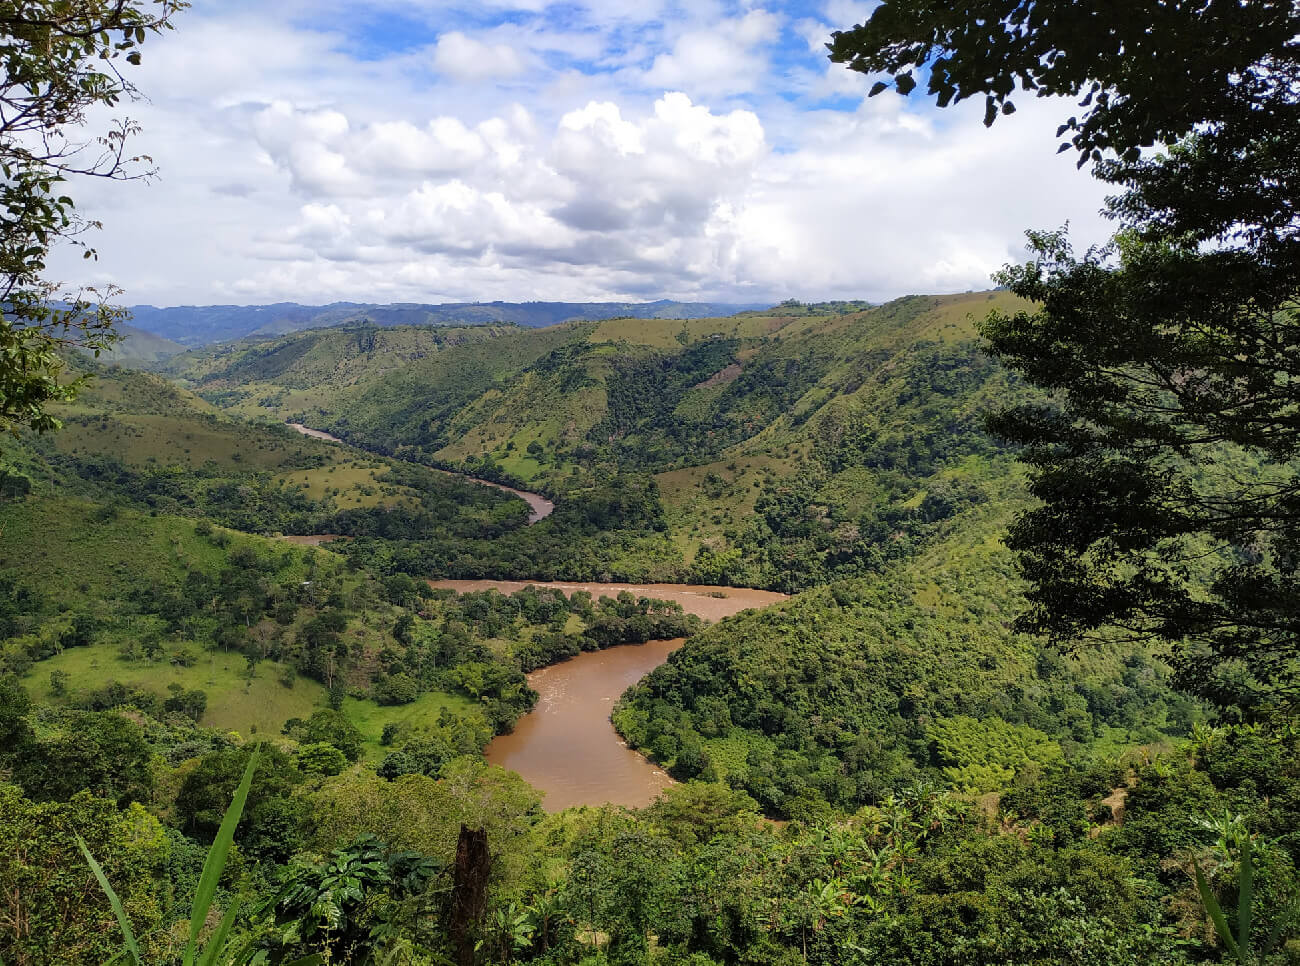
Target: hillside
{"x": 784, "y": 450}
{"x": 140, "y": 348}
{"x": 133, "y": 439}
{"x": 155, "y": 631}
{"x": 200, "y": 325}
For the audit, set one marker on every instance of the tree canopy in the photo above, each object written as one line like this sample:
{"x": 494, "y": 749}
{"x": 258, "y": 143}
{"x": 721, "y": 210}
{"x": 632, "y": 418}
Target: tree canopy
{"x": 1165, "y": 451}
{"x": 1150, "y": 71}
{"x": 62, "y": 58}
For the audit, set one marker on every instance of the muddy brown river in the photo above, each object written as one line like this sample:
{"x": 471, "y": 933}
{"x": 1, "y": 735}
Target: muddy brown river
{"x": 566, "y": 746}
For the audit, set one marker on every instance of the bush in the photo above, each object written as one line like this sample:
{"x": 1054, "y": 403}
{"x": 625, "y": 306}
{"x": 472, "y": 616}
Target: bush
{"x": 396, "y": 689}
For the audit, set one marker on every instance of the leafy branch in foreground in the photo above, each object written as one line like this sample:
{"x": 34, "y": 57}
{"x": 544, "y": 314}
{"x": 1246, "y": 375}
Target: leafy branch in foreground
{"x": 62, "y": 60}
{"x": 217, "y": 950}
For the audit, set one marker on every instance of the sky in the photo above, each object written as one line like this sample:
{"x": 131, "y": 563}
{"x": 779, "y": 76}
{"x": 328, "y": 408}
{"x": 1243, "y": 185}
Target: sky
{"x": 435, "y": 151}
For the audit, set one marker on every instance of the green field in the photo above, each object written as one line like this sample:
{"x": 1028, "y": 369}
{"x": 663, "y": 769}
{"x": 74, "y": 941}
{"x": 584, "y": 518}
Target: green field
{"x": 351, "y": 484}
{"x": 236, "y": 702}
{"x": 371, "y": 717}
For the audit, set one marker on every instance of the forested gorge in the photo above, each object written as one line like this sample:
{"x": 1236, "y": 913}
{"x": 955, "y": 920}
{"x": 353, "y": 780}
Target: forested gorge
{"x": 1033, "y": 699}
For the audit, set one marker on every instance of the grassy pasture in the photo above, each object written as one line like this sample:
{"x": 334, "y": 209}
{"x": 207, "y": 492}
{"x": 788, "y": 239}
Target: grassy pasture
{"x": 371, "y": 717}
{"x": 353, "y": 484}
{"x": 236, "y": 702}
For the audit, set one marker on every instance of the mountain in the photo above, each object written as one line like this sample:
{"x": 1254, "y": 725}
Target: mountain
{"x": 865, "y": 413}
{"x": 136, "y": 347}
{"x": 200, "y": 325}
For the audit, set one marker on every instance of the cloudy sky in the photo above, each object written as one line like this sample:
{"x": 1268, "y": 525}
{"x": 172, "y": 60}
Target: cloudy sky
{"x": 431, "y": 150}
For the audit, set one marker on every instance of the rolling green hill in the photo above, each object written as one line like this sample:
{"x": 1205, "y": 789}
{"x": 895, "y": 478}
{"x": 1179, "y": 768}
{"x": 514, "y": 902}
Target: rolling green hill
{"x": 786, "y": 449}
{"x": 200, "y": 325}
{"x": 837, "y": 450}
{"x": 133, "y": 439}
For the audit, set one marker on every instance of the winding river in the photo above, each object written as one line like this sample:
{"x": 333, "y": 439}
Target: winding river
{"x": 566, "y": 746}
{"x": 539, "y": 508}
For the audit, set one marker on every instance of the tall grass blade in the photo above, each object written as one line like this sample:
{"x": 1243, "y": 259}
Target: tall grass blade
{"x": 218, "y": 940}
{"x": 113, "y": 901}
{"x": 1216, "y": 912}
{"x": 216, "y": 860}
{"x": 1245, "y": 896}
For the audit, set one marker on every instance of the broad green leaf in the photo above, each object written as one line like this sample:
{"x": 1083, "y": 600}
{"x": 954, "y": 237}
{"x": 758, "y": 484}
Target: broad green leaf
{"x": 216, "y": 860}
{"x": 113, "y": 901}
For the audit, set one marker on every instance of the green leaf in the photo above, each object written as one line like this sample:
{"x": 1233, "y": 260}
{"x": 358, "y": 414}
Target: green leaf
{"x": 113, "y": 901}
{"x": 216, "y": 860}
{"x": 1245, "y": 895}
{"x": 1211, "y": 905}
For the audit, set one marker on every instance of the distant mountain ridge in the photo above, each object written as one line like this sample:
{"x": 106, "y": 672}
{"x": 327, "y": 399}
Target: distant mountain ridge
{"x": 199, "y": 325}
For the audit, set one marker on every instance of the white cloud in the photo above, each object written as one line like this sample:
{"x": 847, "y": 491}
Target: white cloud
{"x": 722, "y": 58}
{"x": 608, "y": 151}
{"x": 466, "y": 59}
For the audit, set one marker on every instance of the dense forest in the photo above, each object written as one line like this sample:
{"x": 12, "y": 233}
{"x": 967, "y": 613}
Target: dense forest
{"x": 1032, "y": 698}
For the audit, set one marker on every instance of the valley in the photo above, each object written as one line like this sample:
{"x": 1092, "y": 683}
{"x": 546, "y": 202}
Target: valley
{"x": 668, "y": 616}
{"x": 632, "y": 571}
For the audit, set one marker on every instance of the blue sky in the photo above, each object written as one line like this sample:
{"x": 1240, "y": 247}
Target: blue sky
{"x": 417, "y": 150}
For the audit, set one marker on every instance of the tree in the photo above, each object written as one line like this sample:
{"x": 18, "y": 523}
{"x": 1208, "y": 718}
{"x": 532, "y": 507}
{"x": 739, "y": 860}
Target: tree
{"x": 51, "y": 909}
{"x": 1151, "y": 70}
{"x": 1164, "y": 455}
{"x": 100, "y": 752}
{"x": 62, "y": 59}
{"x": 274, "y": 817}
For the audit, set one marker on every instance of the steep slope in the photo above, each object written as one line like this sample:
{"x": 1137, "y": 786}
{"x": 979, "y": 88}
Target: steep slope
{"x": 863, "y": 687}
{"x": 788, "y": 447}
{"x": 132, "y": 439}
{"x": 298, "y": 373}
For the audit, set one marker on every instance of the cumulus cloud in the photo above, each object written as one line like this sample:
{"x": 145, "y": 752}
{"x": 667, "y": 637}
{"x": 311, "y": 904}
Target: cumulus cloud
{"x": 574, "y": 152}
{"x": 723, "y": 58}
{"x": 467, "y": 59}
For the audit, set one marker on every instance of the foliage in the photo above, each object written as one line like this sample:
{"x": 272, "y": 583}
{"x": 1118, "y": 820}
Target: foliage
{"x": 51, "y": 908}
{"x": 343, "y": 906}
{"x": 102, "y": 752}
{"x": 851, "y": 691}
{"x": 1165, "y": 457}
{"x": 983, "y": 756}
{"x": 1150, "y": 73}
{"x": 62, "y": 62}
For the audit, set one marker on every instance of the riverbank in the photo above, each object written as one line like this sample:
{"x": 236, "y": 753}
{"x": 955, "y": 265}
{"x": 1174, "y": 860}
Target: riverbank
{"x": 539, "y": 507}
{"x": 702, "y": 600}
{"x": 567, "y": 746}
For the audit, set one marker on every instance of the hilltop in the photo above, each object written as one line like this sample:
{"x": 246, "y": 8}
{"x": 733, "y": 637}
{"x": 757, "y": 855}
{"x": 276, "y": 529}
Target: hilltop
{"x": 200, "y": 325}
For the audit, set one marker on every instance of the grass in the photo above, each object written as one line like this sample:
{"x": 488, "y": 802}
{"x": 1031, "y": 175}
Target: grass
{"x": 351, "y": 484}
{"x": 72, "y": 552}
{"x": 260, "y": 705}
{"x": 235, "y": 702}
{"x": 141, "y": 439}
{"x": 699, "y": 508}
{"x": 371, "y": 717}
